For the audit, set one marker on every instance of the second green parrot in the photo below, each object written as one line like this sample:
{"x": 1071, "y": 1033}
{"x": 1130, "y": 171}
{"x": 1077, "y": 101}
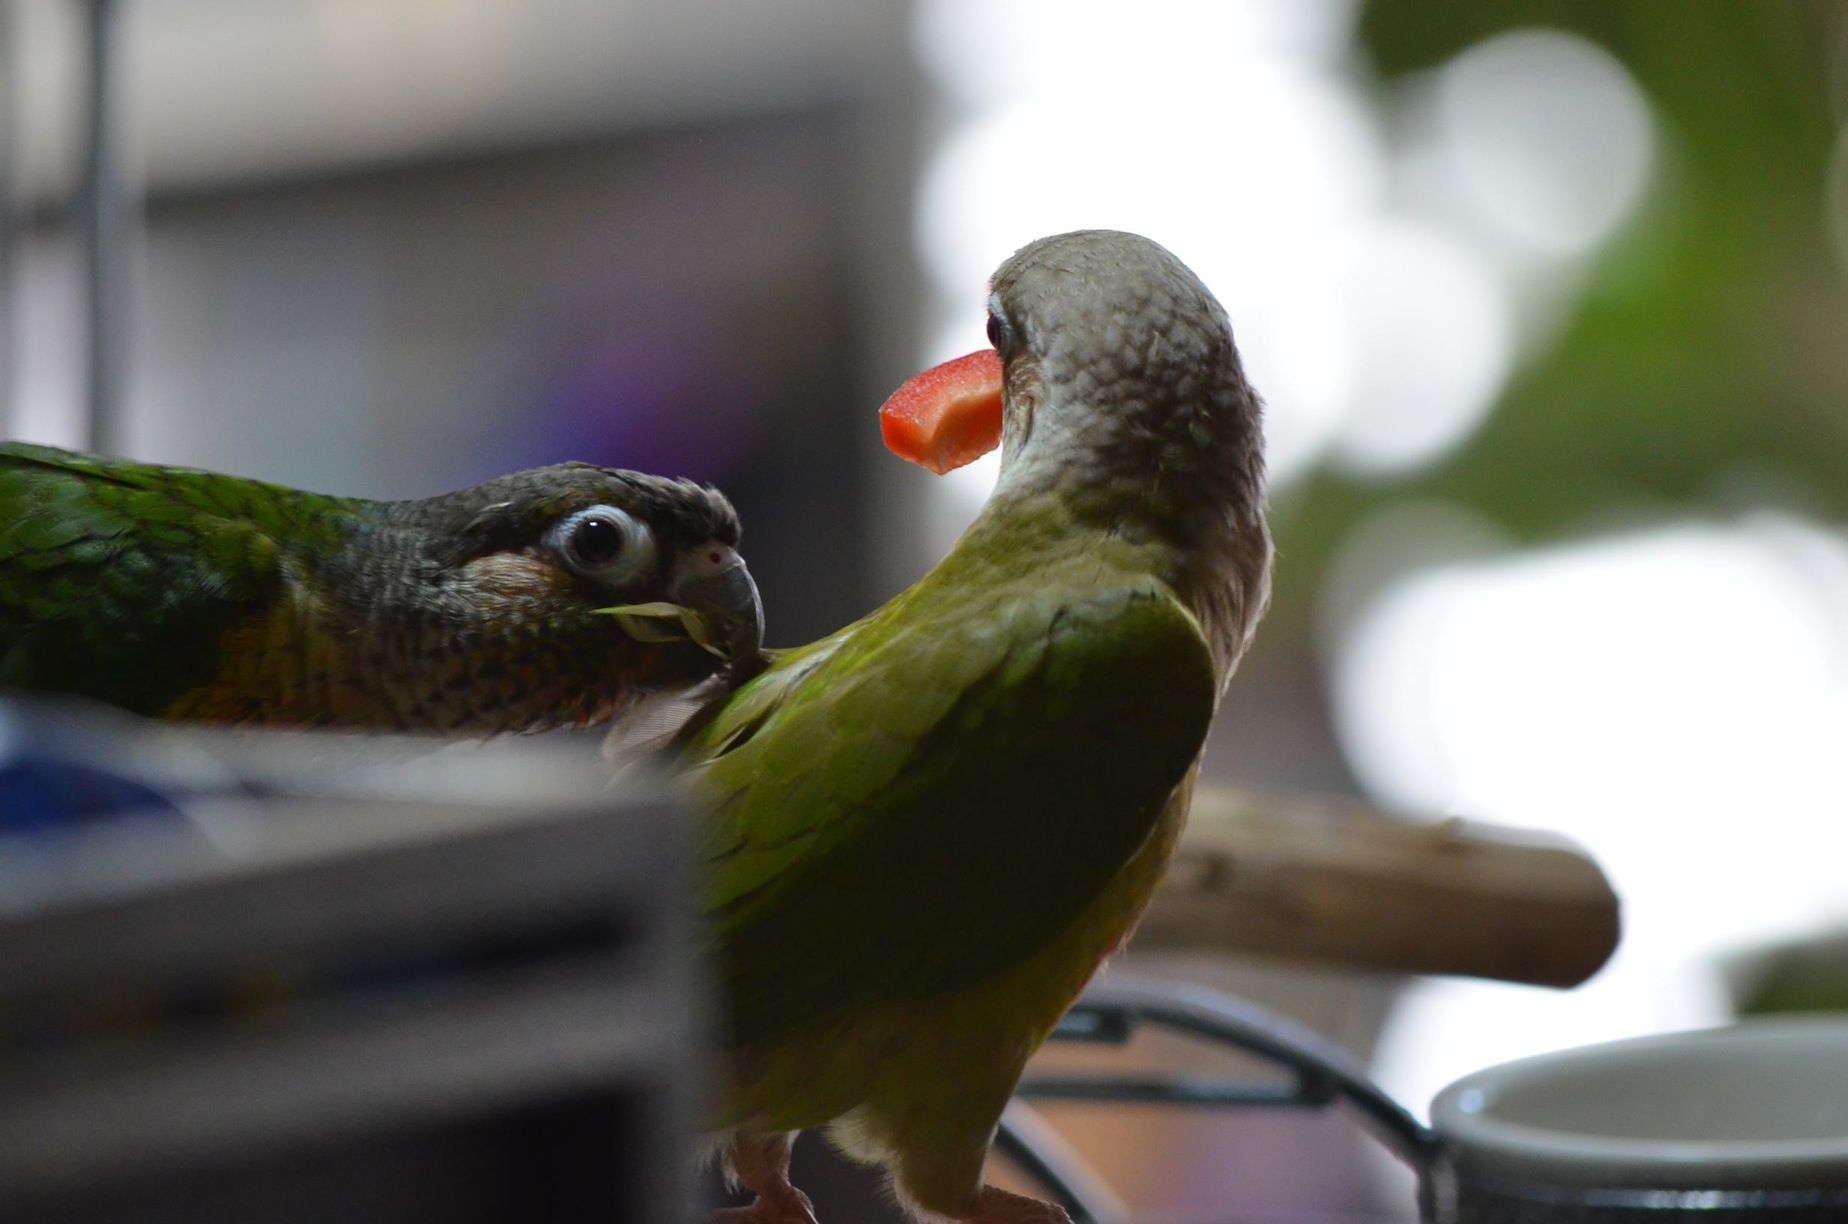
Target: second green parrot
{"x": 928, "y": 830}
{"x": 546, "y": 598}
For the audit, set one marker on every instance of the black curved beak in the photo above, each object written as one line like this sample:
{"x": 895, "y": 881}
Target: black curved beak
{"x": 714, "y": 582}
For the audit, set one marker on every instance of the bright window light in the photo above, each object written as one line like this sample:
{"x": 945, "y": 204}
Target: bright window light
{"x": 1430, "y": 331}
{"x": 1674, "y": 700}
{"x": 1549, "y": 135}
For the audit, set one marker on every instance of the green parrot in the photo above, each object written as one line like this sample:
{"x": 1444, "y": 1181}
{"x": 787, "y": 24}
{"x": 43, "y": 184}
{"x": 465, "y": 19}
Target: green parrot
{"x": 927, "y": 831}
{"x": 547, "y": 598}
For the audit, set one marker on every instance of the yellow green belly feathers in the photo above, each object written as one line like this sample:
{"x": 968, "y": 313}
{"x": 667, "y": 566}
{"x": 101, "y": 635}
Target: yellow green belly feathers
{"x": 187, "y": 594}
{"x": 928, "y": 830}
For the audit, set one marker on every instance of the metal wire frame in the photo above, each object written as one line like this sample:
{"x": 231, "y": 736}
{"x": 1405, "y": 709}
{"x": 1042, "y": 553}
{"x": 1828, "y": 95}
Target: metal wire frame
{"x": 1110, "y": 1012}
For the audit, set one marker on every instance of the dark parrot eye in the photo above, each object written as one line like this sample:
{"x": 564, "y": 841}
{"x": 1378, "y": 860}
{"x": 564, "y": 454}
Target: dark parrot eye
{"x": 1000, "y": 335}
{"x": 595, "y": 542}
{"x": 604, "y": 542}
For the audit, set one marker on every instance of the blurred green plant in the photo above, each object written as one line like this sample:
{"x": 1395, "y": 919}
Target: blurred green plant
{"x": 1705, "y": 367}
{"x": 1806, "y": 976}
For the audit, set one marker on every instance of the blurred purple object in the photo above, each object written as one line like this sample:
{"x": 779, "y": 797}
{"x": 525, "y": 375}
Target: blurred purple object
{"x": 648, "y": 399}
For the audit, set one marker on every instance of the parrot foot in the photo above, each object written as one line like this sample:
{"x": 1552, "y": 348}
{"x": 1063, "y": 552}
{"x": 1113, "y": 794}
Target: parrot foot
{"x": 793, "y": 1208}
{"x": 999, "y": 1207}
{"x": 761, "y": 1162}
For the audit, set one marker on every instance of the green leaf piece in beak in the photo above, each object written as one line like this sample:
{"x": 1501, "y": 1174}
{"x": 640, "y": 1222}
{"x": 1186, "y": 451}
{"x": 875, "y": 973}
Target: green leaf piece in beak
{"x": 664, "y": 622}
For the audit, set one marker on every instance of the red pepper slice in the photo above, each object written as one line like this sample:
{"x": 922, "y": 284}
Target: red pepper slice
{"x": 947, "y": 416}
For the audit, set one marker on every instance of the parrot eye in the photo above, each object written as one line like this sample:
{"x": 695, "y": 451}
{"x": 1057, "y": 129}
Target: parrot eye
{"x": 1000, "y": 334}
{"x": 603, "y": 542}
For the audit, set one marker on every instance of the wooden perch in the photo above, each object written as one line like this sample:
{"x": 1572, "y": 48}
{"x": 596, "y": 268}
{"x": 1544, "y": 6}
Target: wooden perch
{"x": 1339, "y": 883}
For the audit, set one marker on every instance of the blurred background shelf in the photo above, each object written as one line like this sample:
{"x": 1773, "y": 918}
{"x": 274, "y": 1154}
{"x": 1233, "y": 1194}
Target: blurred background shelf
{"x": 327, "y": 979}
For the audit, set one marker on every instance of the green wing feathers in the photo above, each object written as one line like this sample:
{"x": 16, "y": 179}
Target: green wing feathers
{"x": 940, "y": 758}
{"x": 118, "y": 580}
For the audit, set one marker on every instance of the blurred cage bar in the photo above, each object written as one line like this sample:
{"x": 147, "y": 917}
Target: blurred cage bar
{"x": 105, "y": 212}
{"x": 9, "y": 119}
{"x": 105, "y": 209}
{"x": 299, "y": 978}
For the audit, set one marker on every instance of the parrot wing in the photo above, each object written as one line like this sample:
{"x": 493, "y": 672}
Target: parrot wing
{"x": 851, "y": 782}
{"x": 118, "y": 580}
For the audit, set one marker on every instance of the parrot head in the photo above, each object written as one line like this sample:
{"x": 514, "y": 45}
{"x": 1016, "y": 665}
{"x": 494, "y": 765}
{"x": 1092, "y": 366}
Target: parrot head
{"x": 552, "y": 597}
{"x": 1112, "y": 383}
{"x": 657, "y": 556}
{"x": 1096, "y": 333}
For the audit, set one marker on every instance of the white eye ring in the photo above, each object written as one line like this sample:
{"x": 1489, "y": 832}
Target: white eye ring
{"x": 604, "y": 543}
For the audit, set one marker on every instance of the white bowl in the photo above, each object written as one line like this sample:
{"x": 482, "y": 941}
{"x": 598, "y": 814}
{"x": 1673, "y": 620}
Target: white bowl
{"x": 1757, "y": 1105}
